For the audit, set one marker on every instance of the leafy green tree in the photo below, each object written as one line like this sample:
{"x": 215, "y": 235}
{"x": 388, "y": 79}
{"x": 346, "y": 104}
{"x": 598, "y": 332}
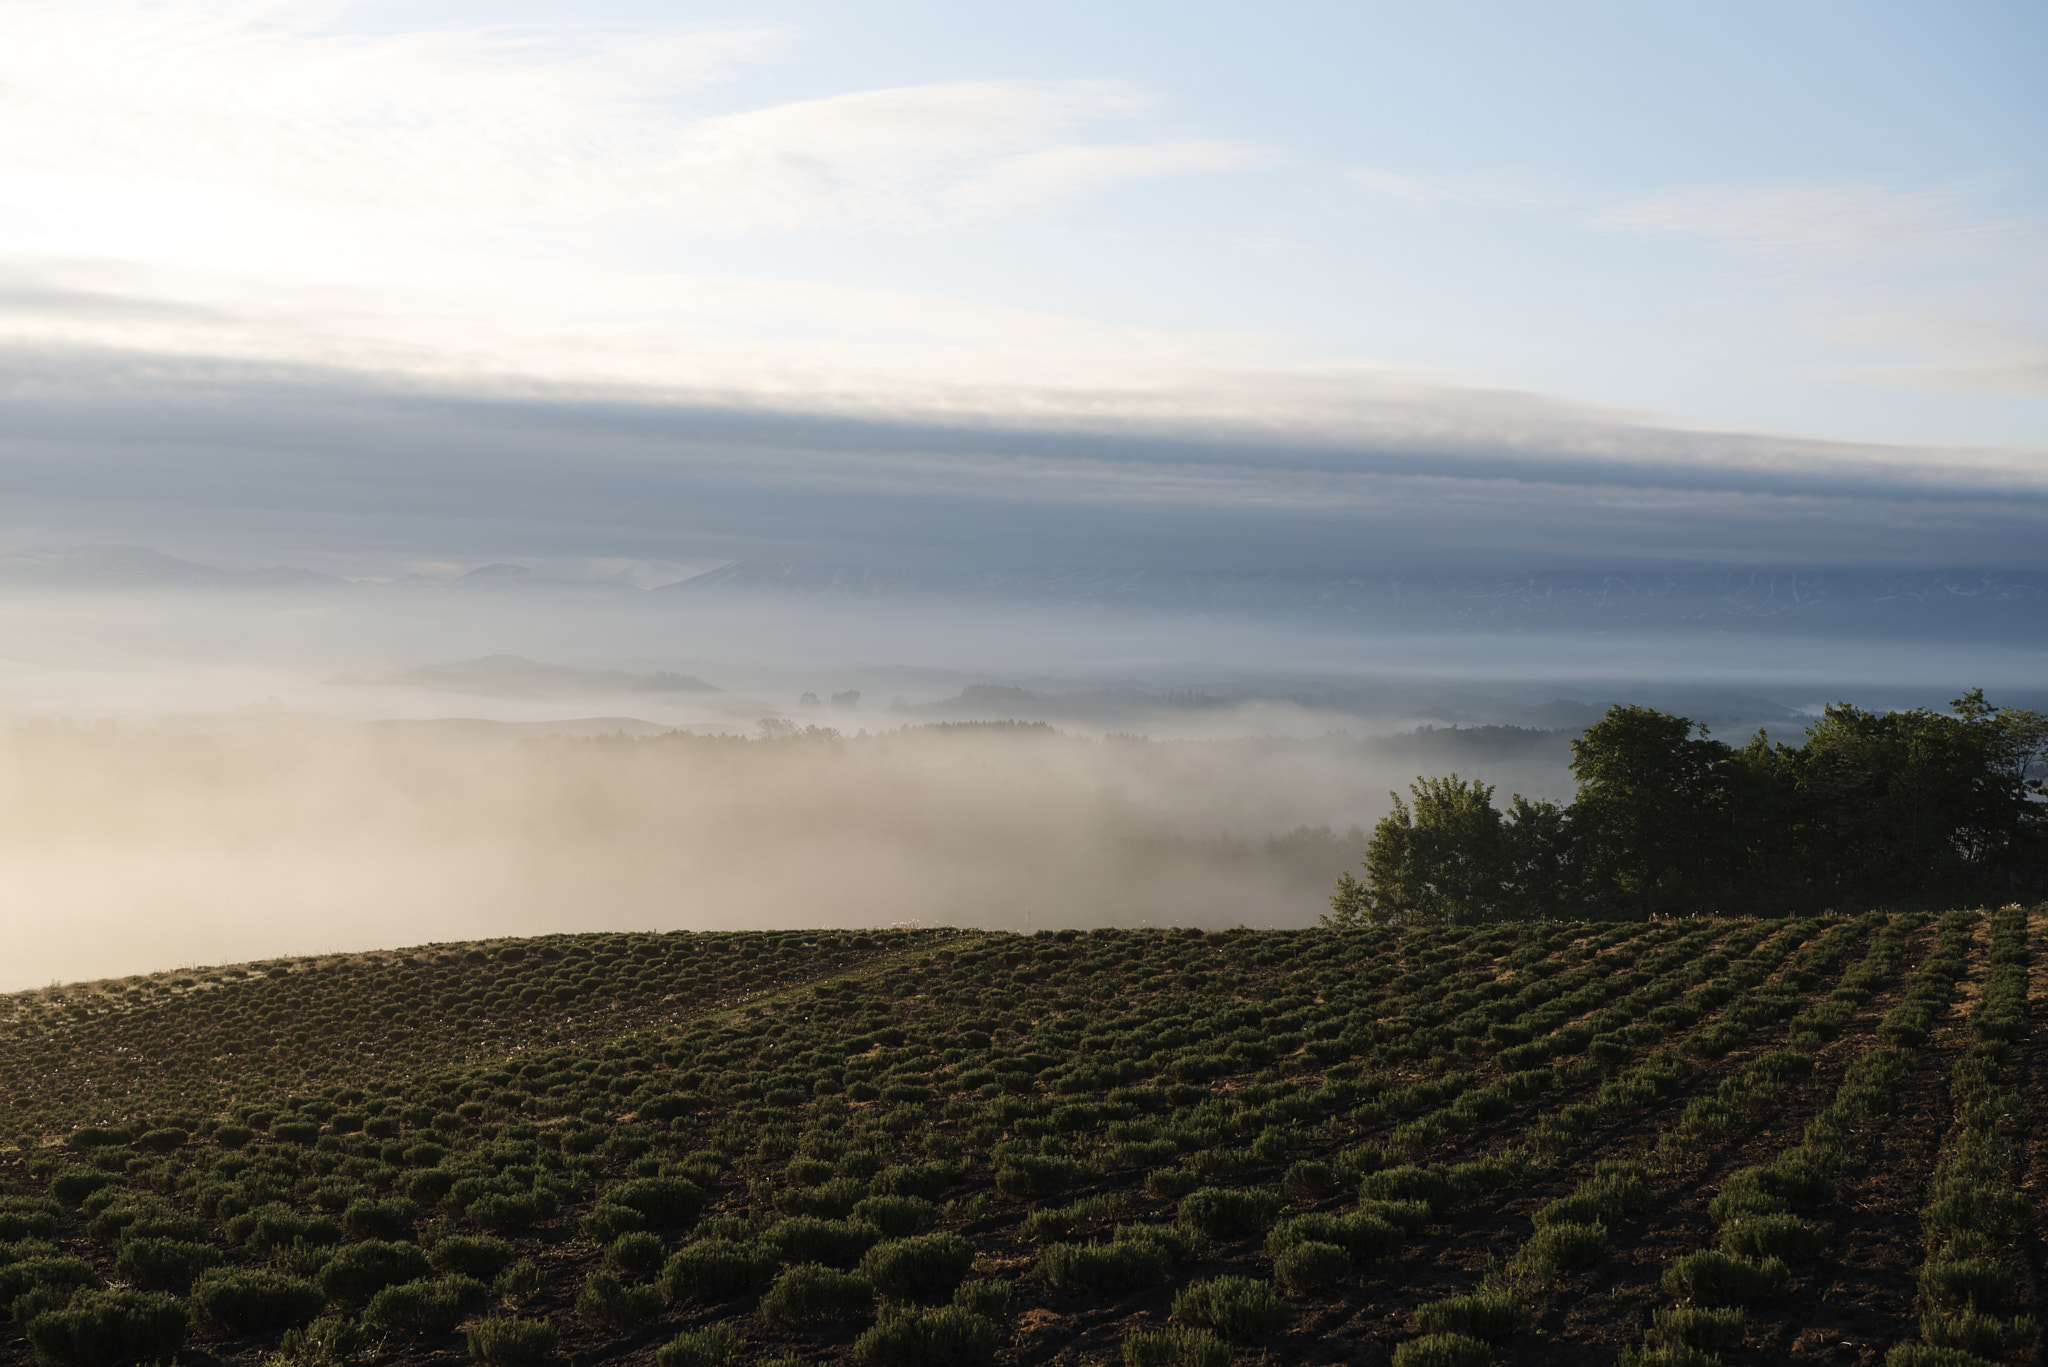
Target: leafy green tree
{"x": 1653, "y": 818}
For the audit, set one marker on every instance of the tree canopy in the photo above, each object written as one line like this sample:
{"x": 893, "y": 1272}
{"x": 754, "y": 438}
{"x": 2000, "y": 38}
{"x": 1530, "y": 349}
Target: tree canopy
{"x": 1668, "y": 820}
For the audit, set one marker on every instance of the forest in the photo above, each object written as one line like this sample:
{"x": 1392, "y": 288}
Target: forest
{"x": 1869, "y": 808}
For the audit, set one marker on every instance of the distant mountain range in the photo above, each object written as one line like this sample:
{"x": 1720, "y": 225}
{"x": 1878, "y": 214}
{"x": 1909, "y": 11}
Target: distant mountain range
{"x": 514, "y": 676}
{"x": 1955, "y": 604}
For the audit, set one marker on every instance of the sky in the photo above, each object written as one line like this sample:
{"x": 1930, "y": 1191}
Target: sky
{"x": 379, "y": 286}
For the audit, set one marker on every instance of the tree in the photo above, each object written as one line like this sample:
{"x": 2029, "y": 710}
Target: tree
{"x": 1652, "y": 819}
{"x": 1445, "y": 859}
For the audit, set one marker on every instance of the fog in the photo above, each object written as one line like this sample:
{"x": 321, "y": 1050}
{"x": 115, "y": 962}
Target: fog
{"x": 202, "y": 774}
{"x": 126, "y": 851}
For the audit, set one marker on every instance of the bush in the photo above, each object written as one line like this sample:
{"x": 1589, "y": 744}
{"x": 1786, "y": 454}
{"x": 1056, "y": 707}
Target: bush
{"x": 1711, "y": 1277}
{"x": 1759, "y": 1236}
{"x": 1222, "y": 1213}
{"x": 1170, "y": 1184}
{"x": 521, "y": 1278}
{"x": 946, "y": 1337}
{"x": 808, "y": 1239}
{"x": 636, "y": 1255}
{"x": 426, "y": 1307}
{"x": 471, "y": 1255}
{"x": 1104, "y": 1269}
{"x": 1411, "y": 1217}
{"x": 895, "y": 1216}
{"x": 1431, "y": 1186}
{"x": 105, "y": 1328}
{"x": 44, "y": 1270}
{"x": 1234, "y": 1307}
{"x": 715, "y": 1346}
{"x": 1667, "y": 1355}
{"x": 515, "y": 1210}
{"x": 608, "y": 1303}
{"x": 330, "y": 1341}
{"x": 924, "y": 1265}
{"x": 1308, "y": 1180}
{"x": 989, "y": 1299}
{"x": 665, "y": 1201}
{"x": 390, "y": 1219}
{"x": 1026, "y": 1176}
{"x": 511, "y": 1342}
{"x": 1175, "y": 1348}
{"x": 164, "y": 1262}
{"x": 1442, "y": 1350}
{"x": 832, "y": 1200}
{"x": 1308, "y": 1264}
{"x": 1974, "y": 1332}
{"x": 605, "y": 1223}
{"x": 241, "y": 1300}
{"x": 359, "y": 1271}
{"x": 1926, "y": 1355}
{"x": 809, "y": 1292}
{"x": 712, "y": 1269}
{"x": 1696, "y": 1326}
{"x": 28, "y": 1222}
{"x": 1554, "y": 1248}
{"x": 75, "y": 1184}
{"x": 1364, "y": 1237}
{"x": 1950, "y": 1284}
{"x": 1482, "y": 1315}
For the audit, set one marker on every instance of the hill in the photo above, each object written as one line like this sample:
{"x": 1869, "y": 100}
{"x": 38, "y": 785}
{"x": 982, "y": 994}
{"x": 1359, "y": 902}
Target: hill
{"x": 1771, "y": 1141}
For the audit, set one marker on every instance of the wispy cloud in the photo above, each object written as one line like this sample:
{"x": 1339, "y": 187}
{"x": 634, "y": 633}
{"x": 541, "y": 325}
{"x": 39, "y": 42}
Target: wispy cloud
{"x": 1923, "y": 281}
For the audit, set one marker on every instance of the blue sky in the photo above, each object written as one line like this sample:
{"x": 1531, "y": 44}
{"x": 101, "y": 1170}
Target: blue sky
{"x": 1729, "y": 249}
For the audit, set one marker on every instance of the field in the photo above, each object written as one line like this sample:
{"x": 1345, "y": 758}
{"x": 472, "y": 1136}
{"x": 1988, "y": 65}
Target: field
{"x": 1757, "y": 1141}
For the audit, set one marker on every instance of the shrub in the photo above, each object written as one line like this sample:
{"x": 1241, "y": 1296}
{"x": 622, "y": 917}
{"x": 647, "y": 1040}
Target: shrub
{"x": 1170, "y": 1184}
{"x": 1028, "y": 1175}
{"x": 811, "y": 1291}
{"x": 989, "y": 1299}
{"x": 513, "y": 1210}
{"x": 833, "y": 1199}
{"x": 1431, "y": 1186}
{"x": 608, "y": 1303}
{"x": 241, "y": 1300}
{"x": 1974, "y": 1332}
{"x": 1949, "y": 1284}
{"x": 714, "y": 1346}
{"x": 1926, "y": 1355}
{"x": 926, "y": 1180}
{"x": 360, "y": 1270}
{"x": 665, "y": 1201}
{"x": 105, "y": 1328}
{"x": 1101, "y": 1269}
{"x": 511, "y": 1342}
{"x": 923, "y": 1265}
{"x": 521, "y": 1278}
{"x": 471, "y": 1255}
{"x": 26, "y": 1222}
{"x": 636, "y": 1255}
{"x": 1482, "y": 1315}
{"x": 426, "y": 1307}
{"x": 1364, "y": 1237}
{"x": 1759, "y": 1236}
{"x": 277, "y": 1225}
{"x": 1234, "y": 1307}
{"x": 945, "y": 1337}
{"x": 895, "y": 1216}
{"x": 1442, "y": 1350}
{"x": 605, "y": 1222}
{"x": 1220, "y": 1212}
{"x": 1697, "y": 1326}
{"x": 1308, "y": 1180}
{"x": 1554, "y": 1248}
{"x": 1711, "y": 1277}
{"x": 1308, "y": 1264}
{"x": 164, "y": 1262}
{"x": 1667, "y": 1355}
{"x": 1411, "y": 1217}
{"x": 711, "y": 1269}
{"x": 75, "y": 1184}
{"x": 1174, "y": 1347}
{"x": 389, "y": 1219}
{"x": 44, "y": 1270}
{"x": 330, "y": 1341}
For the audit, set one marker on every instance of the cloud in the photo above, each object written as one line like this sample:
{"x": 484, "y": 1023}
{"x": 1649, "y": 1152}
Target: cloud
{"x": 1945, "y": 295}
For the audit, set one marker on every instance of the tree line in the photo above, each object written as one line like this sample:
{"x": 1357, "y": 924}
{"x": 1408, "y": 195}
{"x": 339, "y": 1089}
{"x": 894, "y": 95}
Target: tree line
{"x": 1669, "y": 821}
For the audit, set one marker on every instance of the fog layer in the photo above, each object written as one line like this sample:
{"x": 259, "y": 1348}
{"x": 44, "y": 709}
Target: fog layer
{"x": 125, "y": 851}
